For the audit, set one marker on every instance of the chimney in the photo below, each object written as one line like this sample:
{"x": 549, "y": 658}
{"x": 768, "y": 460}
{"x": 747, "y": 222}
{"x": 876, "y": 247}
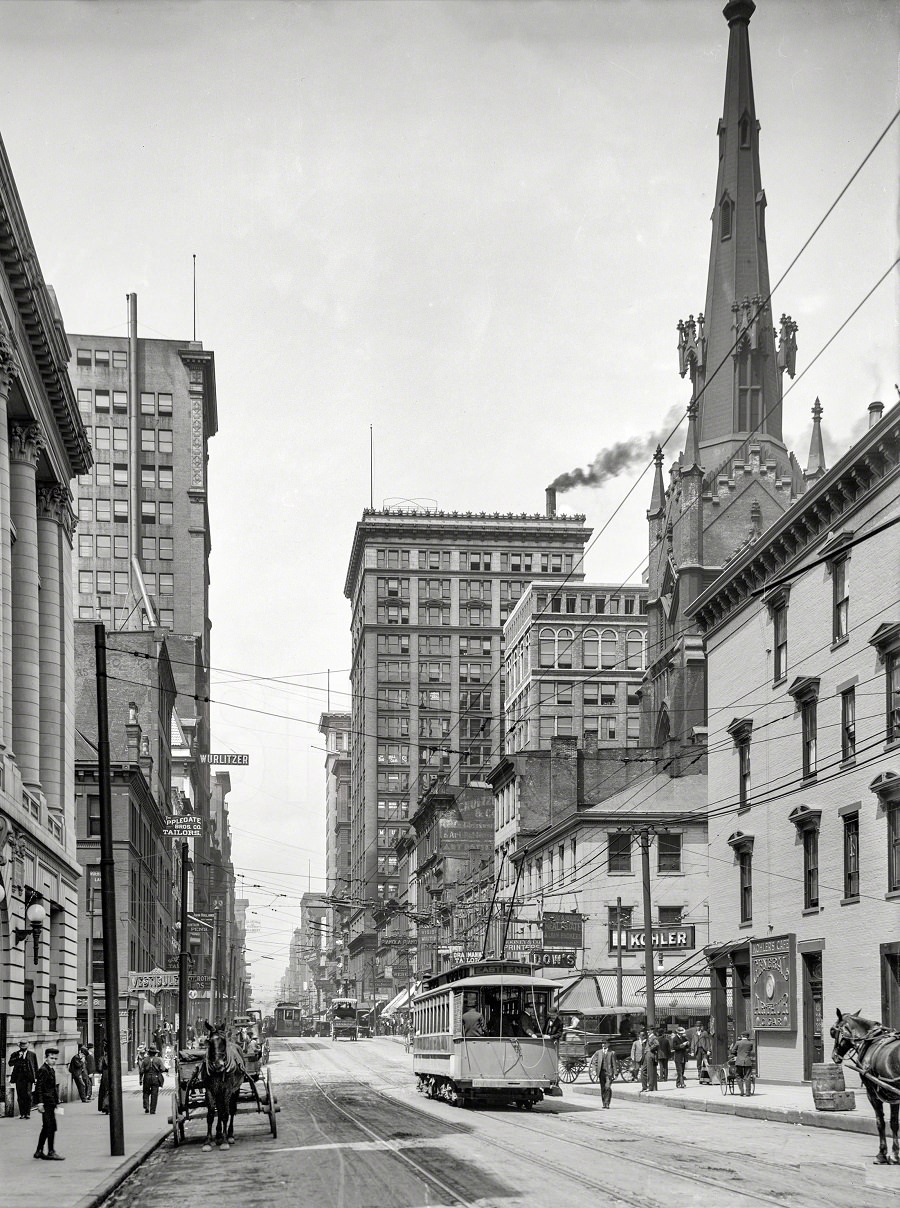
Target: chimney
{"x": 563, "y": 777}
{"x": 132, "y": 733}
{"x": 875, "y": 412}
{"x": 551, "y": 501}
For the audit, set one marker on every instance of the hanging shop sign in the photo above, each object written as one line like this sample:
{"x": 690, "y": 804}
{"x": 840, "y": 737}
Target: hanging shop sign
{"x": 183, "y": 826}
{"x": 563, "y": 930}
{"x": 632, "y": 939}
{"x": 229, "y": 760}
{"x": 773, "y": 984}
{"x": 553, "y": 960}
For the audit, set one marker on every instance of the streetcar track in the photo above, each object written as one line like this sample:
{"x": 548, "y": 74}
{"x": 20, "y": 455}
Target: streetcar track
{"x": 727, "y": 1187}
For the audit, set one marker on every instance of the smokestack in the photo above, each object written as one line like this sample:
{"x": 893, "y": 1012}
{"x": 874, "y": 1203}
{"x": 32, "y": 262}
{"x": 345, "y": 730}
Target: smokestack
{"x": 875, "y": 412}
{"x": 551, "y": 501}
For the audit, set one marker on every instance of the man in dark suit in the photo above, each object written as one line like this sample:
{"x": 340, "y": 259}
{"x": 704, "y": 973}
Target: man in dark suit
{"x": 24, "y": 1074}
{"x": 46, "y": 1100}
{"x": 607, "y": 1068}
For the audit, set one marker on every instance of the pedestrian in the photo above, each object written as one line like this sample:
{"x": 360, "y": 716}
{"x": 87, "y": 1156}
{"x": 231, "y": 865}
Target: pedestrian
{"x": 702, "y": 1049}
{"x": 23, "y": 1077}
{"x": 680, "y": 1046}
{"x": 90, "y": 1068}
{"x": 664, "y": 1052}
{"x": 637, "y": 1055}
{"x": 742, "y": 1051}
{"x": 46, "y": 1101}
{"x": 606, "y": 1068}
{"x": 79, "y": 1075}
{"x": 152, "y": 1077}
{"x": 651, "y": 1051}
{"x": 103, "y": 1089}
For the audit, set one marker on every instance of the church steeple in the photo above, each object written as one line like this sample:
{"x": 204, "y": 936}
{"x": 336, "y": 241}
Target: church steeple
{"x": 736, "y": 370}
{"x": 815, "y": 465}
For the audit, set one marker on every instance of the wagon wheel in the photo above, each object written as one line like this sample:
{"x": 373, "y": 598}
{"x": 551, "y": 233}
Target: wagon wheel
{"x": 568, "y": 1069}
{"x": 270, "y": 1103}
{"x": 723, "y": 1081}
{"x": 177, "y": 1122}
{"x": 594, "y": 1070}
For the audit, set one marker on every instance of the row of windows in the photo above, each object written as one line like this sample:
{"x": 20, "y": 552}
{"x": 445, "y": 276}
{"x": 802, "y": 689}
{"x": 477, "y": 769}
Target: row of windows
{"x": 117, "y": 401}
{"x": 395, "y": 671}
{"x": 432, "y": 756}
{"x": 475, "y": 560}
{"x": 101, "y": 358}
{"x": 436, "y": 698}
{"x": 104, "y": 582}
{"x": 593, "y": 692}
{"x": 153, "y": 511}
{"x": 153, "y": 440}
{"x": 557, "y": 648}
{"x": 591, "y": 604}
{"x": 88, "y": 612}
{"x": 430, "y": 726}
{"x": 106, "y": 473}
{"x": 433, "y": 614}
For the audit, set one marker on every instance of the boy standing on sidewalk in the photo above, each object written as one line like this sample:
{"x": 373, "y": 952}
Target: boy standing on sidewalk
{"x": 46, "y": 1100}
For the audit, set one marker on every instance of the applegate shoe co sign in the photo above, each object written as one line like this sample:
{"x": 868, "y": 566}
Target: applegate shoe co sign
{"x": 773, "y": 984}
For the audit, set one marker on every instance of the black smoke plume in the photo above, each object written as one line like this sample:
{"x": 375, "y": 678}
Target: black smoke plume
{"x": 610, "y": 463}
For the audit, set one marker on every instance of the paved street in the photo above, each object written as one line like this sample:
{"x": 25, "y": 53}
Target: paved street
{"x": 353, "y": 1133}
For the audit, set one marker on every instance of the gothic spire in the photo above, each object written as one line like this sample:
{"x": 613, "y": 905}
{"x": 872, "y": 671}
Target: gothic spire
{"x": 691, "y": 442}
{"x": 815, "y": 465}
{"x": 658, "y": 498}
{"x": 735, "y": 366}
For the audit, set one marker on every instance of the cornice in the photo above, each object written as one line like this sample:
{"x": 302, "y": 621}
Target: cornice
{"x": 866, "y": 469}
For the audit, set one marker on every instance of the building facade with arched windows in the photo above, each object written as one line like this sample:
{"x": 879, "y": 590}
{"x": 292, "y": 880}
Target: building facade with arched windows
{"x": 574, "y": 659}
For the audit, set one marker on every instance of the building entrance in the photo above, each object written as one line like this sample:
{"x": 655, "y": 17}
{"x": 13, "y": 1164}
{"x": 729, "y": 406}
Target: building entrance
{"x": 813, "y": 1045}
{"x": 890, "y": 985}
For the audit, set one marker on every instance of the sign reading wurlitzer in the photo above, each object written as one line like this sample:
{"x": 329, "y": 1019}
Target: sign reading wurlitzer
{"x": 773, "y": 984}
{"x": 230, "y": 760}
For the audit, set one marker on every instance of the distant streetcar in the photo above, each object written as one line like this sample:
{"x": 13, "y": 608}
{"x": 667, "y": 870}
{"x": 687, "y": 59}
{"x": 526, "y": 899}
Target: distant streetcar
{"x": 501, "y": 1054}
{"x": 344, "y": 1019}
{"x": 288, "y": 1019}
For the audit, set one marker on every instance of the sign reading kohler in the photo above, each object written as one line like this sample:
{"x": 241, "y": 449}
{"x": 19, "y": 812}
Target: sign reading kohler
{"x": 773, "y": 984}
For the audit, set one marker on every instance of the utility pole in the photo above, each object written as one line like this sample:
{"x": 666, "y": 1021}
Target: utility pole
{"x": 108, "y": 906}
{"x": 183, "y": 955}
{"x": 512, "y": 903}
{"x": 487, "y": 924}
{"x": 649, "y": 972}
{"x": 618, "y": 952}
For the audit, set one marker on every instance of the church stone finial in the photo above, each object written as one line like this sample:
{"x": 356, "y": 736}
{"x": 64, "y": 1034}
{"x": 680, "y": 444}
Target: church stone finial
{"x": 658, "y": 498}
{"x": 692, "y": 440}
{"x": 815, "y": 466}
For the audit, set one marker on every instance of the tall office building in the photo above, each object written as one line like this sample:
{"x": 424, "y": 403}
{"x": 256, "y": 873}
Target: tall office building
{"x": 430, "y": 592}
{"x": 335, "y": 728}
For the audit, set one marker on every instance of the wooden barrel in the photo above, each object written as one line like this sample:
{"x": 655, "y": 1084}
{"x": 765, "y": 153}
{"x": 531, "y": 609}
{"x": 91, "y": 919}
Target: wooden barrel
{"x": 827, "y": 1077}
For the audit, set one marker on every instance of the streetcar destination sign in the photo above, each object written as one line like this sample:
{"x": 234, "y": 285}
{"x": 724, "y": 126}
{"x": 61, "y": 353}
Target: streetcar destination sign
{"x": 231, "y": 760}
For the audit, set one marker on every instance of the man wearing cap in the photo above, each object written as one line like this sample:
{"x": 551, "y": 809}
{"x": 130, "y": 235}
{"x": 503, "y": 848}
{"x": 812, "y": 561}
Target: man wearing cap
{"x": 23, "y": 1077}
{"x": 152, "y": 1074}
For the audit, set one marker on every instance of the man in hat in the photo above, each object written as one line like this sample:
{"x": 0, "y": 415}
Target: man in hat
{"x": 153, "y": 1075}
{"x": 680, "y": 1046}
{"x": 23, "y": 1077}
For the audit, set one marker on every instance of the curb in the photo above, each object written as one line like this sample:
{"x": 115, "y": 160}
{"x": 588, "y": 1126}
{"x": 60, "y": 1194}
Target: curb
{"x": 836, "y": 1121}
{"x": 121, "y": 1172}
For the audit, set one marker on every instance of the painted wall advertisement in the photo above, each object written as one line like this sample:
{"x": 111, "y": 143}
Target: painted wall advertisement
{"x": 562, "y": 930}
{"x": 773, "y": 984}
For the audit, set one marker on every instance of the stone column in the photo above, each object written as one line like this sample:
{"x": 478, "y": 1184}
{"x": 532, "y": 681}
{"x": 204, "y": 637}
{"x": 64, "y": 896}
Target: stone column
{"x": 26, "y": 444}
{"x": 8, "y": 370}
{"x": 52, "y": 515}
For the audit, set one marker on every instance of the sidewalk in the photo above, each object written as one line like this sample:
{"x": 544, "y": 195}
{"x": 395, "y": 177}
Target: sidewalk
{"x": 787, "y": 1103}
{"x": 89, "y": 1173}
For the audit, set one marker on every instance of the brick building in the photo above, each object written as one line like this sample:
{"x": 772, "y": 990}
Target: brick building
{"x": 803, "y": 646}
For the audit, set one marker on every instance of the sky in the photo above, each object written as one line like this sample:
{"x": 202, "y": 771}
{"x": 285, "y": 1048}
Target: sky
{"x": 470, "y": 225}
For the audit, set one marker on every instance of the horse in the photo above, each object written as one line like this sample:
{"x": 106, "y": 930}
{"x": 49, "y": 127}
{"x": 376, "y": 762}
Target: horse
{"x": 223, "y": 1074}
{"x": 876, "y": 1057}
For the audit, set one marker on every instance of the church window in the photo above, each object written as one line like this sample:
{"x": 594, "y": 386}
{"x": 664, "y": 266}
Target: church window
{"x": 749, "y": 391}
{"x": 726, "y": 217}
{"x": 745, "y": 133}
{"x": 761, "y": 215}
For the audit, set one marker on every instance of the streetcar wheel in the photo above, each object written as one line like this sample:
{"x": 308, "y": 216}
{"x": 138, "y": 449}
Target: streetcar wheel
{"x": 568, "y": 1072}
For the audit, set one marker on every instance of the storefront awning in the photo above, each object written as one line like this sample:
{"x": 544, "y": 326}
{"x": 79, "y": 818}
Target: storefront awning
{"x": 398, "y": 1003}
{"x": 584, "y": 996}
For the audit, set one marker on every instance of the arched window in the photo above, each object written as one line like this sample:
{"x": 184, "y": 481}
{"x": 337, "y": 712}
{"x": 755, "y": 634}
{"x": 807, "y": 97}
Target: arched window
{"x": 662, "y": 727}
{"x": 634, "y": 650}
{"x": 590, "y": 649}
{"x": 749, "y": 392}
{"x": 608, "y": 648}
{"x": 565, "y": 642}
{"x": 548, "y": 648}
{"x": 745, "y": 133}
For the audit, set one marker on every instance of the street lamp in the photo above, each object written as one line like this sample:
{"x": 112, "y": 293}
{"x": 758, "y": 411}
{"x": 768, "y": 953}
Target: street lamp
{"x": 35, "y": 915}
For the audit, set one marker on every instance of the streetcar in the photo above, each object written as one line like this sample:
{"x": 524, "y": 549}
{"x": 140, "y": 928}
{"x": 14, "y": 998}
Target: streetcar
{"x": 288, "y": 1019}
{"x": 510, "y": 1061}
{"x": 344, "y": 1019}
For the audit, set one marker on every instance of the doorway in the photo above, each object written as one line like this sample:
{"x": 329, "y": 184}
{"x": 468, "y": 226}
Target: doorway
{"x": 813, "y": 1043}
{"x": 890, "y": 985}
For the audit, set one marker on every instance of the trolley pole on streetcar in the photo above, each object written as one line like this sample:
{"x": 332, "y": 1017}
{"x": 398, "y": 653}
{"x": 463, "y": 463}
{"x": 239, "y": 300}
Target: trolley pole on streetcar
{"x": 183, "y": 952}
{"x": 108, "y": 907}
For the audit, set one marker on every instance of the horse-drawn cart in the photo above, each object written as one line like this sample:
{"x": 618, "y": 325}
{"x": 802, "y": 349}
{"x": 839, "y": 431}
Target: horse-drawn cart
{"x": 192, "y": 1081}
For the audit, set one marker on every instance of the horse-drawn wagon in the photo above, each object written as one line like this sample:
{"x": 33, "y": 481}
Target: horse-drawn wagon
{"x": 212, "y": 1079}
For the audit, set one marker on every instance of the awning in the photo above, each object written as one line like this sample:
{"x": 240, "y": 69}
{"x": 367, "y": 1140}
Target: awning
{"x": 681, "y": 996}
{"x": 397, "y": 1003}
{"x": 584, "y": 996}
